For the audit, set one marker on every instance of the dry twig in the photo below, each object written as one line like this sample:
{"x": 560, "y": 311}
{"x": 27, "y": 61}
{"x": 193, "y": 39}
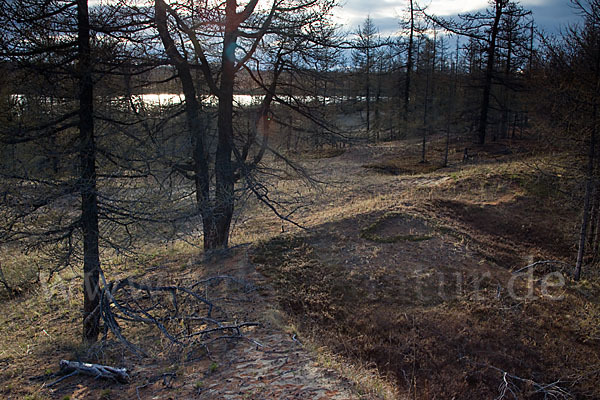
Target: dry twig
{"x": 181, "y": 314}
{"x": 541, "y": 262}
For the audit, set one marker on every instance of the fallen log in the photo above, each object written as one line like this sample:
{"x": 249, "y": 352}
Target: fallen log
{"x": 70, "y": 368}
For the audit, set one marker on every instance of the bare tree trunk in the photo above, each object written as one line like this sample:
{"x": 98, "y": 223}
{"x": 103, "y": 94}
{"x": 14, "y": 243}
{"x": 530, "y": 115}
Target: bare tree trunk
{"x": 514, "y": 127}
{"x": 589, "y": 187}
{"x": 506, "y": 91}
{"x": 452, "y": 105}
{"x": 368, "y": 91}
{"x": 428, "y": 83}
{"x": 409, "y": 64}
{"x": 595, "y": 202}
{"x": 89, "y": 199}
{"x": 531, "y": 37}
{"x": 218, "y": 236}
{"x": 218, "y": 212}
{"x": 596, "y": 232}
{"x": 434, "y": 56}
{"x": 489, "y": 72}
{"x": 425, "y": 124}
{"x": 290, "y": 132}
{"x": 194, "y": 121}
{"x": 378, "y": 99}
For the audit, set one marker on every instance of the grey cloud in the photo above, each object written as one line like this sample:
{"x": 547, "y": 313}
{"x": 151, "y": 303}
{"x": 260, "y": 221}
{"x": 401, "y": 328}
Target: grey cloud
{"x": 551, "y": 16}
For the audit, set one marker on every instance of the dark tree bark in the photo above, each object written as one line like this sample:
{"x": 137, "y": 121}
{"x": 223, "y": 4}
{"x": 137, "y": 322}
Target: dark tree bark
{"x": 593, "y": 231}
{"x": 595, "y": 240}
{"x": 224, "y": 196}
{"x": 230, "y": 159}
{"x": 196, "y": 125}
{"x": 489, "y": 71}
{"x": 368, "y": 92}
{"x": 409, "y": 63}
{"x": 589, "y": 185}
{"x": 506, "y": 90}
{"x": 589, "y": 188}
{"x": 217, "y": 212}
{"x": 89, "y": 199}
{"x": 429, "y": 82}
{"x": 586, "y": 62}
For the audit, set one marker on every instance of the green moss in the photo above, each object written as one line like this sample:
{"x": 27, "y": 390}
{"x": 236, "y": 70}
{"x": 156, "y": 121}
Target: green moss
{"x": 213, "y": 368}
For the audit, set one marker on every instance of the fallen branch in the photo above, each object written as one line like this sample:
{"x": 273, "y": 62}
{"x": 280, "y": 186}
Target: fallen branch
{"x": 180, "y": 313}
{"x": 544, "y": 262}
{"x": 509, "y": 385}
{"x": 71, "y": 368}
{"x": 547, "y": 390}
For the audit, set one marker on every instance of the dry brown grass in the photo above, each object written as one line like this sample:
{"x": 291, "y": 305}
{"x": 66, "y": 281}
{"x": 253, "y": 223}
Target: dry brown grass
{"x": 387, "y": 313}
{"x": 437, "y": 346}
{"x": 395, "y": 305}
{"x": 41, "y": 327}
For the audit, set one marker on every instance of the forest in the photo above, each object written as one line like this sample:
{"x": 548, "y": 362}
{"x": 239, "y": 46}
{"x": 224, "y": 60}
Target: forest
{"x": 247, "y": 199}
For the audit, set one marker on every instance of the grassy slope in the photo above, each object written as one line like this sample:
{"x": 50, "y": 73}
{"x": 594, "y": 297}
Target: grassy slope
{"x": 437, "y": 316}
{"x": 434, "y": 315}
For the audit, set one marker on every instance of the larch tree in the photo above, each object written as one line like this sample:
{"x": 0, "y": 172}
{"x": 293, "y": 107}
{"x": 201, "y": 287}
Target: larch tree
{"x": 51, "y": 42}
{"x": 570, "y": 82}
{"x": 60, "y": 165}
{"x": 222, "y": 39}
{"x": 365, "y": 56}
{"x": 485, "y": 28}
{"x": 409, "y": 61}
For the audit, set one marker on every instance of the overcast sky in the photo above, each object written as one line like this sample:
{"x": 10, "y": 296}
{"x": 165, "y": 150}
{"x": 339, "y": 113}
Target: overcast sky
{"x": 549, "y": 15}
